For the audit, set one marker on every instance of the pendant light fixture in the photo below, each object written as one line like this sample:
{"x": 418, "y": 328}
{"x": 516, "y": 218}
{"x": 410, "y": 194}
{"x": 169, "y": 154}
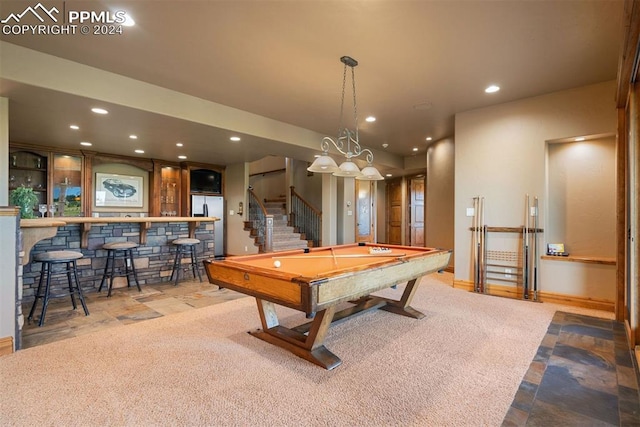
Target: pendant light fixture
{"x": 347, "y": 142}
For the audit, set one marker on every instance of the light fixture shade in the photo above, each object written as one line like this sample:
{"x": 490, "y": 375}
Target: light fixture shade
{"x": 370, "y": 173}
{"x": 348, "y": 169}
{"x": 323, "y": 164}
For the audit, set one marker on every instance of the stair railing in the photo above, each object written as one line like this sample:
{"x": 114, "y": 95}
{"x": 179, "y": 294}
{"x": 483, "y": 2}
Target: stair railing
{"x": 305, "y": 218}
{"x": 261, "y": 221}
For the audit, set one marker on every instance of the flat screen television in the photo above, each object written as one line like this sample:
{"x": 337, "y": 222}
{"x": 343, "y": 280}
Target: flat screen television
{"x": 206, "y": 181}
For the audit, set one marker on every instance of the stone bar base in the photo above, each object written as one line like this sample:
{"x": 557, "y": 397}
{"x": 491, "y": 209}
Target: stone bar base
{"x": 153, "y": 258}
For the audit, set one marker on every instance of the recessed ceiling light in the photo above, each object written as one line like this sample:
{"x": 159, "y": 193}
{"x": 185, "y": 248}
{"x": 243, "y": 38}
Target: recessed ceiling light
{"x": 99, "y": 111}
{"x": 388, "y": 175}
{"x": 423, "y": 106}
{"x": 235, "y": 138}
{"x": 179, "y": 144}
{"x": 370, "y": 119}
{"x": 139, "y": 151}
{"x": 429, "y": 138}
{"x": 415, "y": 148}
{"x": 385, "y": 145}
{"x": 86, "y": 144}
{"x": 492, "y": 89}
{"x": 182, "y": 157}
{"x": 133, "y": 136}
{"x": 580, "y": 138}
{"x": 74, "y": 127}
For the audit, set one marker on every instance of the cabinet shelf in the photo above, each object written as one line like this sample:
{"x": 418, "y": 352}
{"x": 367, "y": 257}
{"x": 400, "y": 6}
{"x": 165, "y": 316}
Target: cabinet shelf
{"x": 22, "y": 168}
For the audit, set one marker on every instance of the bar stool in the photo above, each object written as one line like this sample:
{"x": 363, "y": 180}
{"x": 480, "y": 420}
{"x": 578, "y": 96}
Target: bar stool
{"x": 185, "y": 247}
{"x": 123, "y": 251}
{"x": 48, "y": 260}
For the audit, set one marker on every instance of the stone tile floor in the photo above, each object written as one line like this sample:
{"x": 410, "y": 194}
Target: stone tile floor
{"x": 582, "y": 375}
{"x": 125, "y": 306}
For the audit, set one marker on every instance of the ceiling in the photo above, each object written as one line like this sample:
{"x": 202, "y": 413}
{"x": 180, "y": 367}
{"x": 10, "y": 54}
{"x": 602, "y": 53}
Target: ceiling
{"x": 420, "y": 63}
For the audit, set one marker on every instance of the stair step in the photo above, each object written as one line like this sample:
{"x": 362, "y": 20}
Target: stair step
{"x": 284, "y": 237}
{"x": 283, "y": 230}
{"x": 303, "y": 244}
{"x": 281, "y": 199}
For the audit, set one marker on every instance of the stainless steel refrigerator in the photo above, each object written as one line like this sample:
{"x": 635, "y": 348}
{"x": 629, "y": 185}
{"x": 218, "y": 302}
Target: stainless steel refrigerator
{"x": 211, "y": 206}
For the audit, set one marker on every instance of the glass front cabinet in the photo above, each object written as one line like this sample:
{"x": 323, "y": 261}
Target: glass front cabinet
{"x": 66, "y": 185}
{"x": 166, "y": 183}
{"x": 55, "y": 178}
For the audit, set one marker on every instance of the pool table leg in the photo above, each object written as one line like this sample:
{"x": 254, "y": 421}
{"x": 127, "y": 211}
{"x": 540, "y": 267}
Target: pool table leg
{"x": 307, "y": 346}
{"x": 402, "y": 306}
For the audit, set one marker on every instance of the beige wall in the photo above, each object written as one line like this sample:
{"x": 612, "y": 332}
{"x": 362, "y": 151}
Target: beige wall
{"x": 500, "y": 154}
{"x": 267, "y": 177}
{"x": 307, "y": 185}
{"x": 440, "y": 195}
{"x": 237, "y": 240}
{"x": 582, "y": 206}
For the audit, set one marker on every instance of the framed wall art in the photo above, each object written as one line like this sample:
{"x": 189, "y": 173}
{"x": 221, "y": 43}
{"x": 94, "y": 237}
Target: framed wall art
{"x": 114, "y": 190}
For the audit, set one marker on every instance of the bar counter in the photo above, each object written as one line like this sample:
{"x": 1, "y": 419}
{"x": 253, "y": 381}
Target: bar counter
{"x": 153, "y": 258}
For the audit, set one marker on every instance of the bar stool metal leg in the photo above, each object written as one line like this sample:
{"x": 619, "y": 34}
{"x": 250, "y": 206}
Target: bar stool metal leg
{"x": 69, "y": 265}
{"x": 38, "y": 293}
{"x": 106, "y": 271}
{"x": 79, "y": 289}
{"x": 45, "y": 299}
{"x": 133, "y": 270}
{"x": 194, "y": 263}
{"x": 177, "y": 265}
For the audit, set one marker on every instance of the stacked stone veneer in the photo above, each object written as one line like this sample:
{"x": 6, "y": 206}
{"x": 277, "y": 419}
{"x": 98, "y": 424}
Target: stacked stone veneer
{"x": 153, "y": 260}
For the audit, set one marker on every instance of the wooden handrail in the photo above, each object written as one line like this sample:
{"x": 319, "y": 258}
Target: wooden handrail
{"x": 294, "y": 193}
{"x": 305, "y": 218}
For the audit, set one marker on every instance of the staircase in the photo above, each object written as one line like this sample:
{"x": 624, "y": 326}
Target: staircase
{"x": 284, "y": 236}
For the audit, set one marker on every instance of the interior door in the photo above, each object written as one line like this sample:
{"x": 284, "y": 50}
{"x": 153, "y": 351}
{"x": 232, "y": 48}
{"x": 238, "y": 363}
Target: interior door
{"x": 416, "y": 210}
{"x": 394, "y": 212}
{"x": 365, "y": 211}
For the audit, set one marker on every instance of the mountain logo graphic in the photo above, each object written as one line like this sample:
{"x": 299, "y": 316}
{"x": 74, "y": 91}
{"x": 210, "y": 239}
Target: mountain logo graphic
{"x": 34, "y": 11}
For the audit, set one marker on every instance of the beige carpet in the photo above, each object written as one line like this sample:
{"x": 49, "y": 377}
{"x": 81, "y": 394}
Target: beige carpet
{"x": 459, "y": 366}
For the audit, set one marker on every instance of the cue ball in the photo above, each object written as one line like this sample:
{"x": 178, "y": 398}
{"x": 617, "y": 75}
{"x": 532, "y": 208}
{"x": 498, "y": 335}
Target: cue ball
{"x": 276, "y": 264}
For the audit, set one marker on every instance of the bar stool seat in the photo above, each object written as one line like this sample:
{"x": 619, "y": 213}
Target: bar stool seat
{"x": 185, "y": 246}
{"x": 123, "y": 251}
{"x": 48, "y": 260}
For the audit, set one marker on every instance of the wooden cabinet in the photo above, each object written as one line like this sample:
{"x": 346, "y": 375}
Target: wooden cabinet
{"x": 29, "y": 169}
{"x": 56, "y": 178}
{"x": 200, "y": 179}
{"x": 165, "y": 184}
{"x": 66, "y": 185}
{"x": 170, "y": 191}
{"x": 64, "y": 179}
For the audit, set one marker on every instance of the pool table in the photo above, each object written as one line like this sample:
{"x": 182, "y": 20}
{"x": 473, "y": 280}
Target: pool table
{"x": 317, "y": 280}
